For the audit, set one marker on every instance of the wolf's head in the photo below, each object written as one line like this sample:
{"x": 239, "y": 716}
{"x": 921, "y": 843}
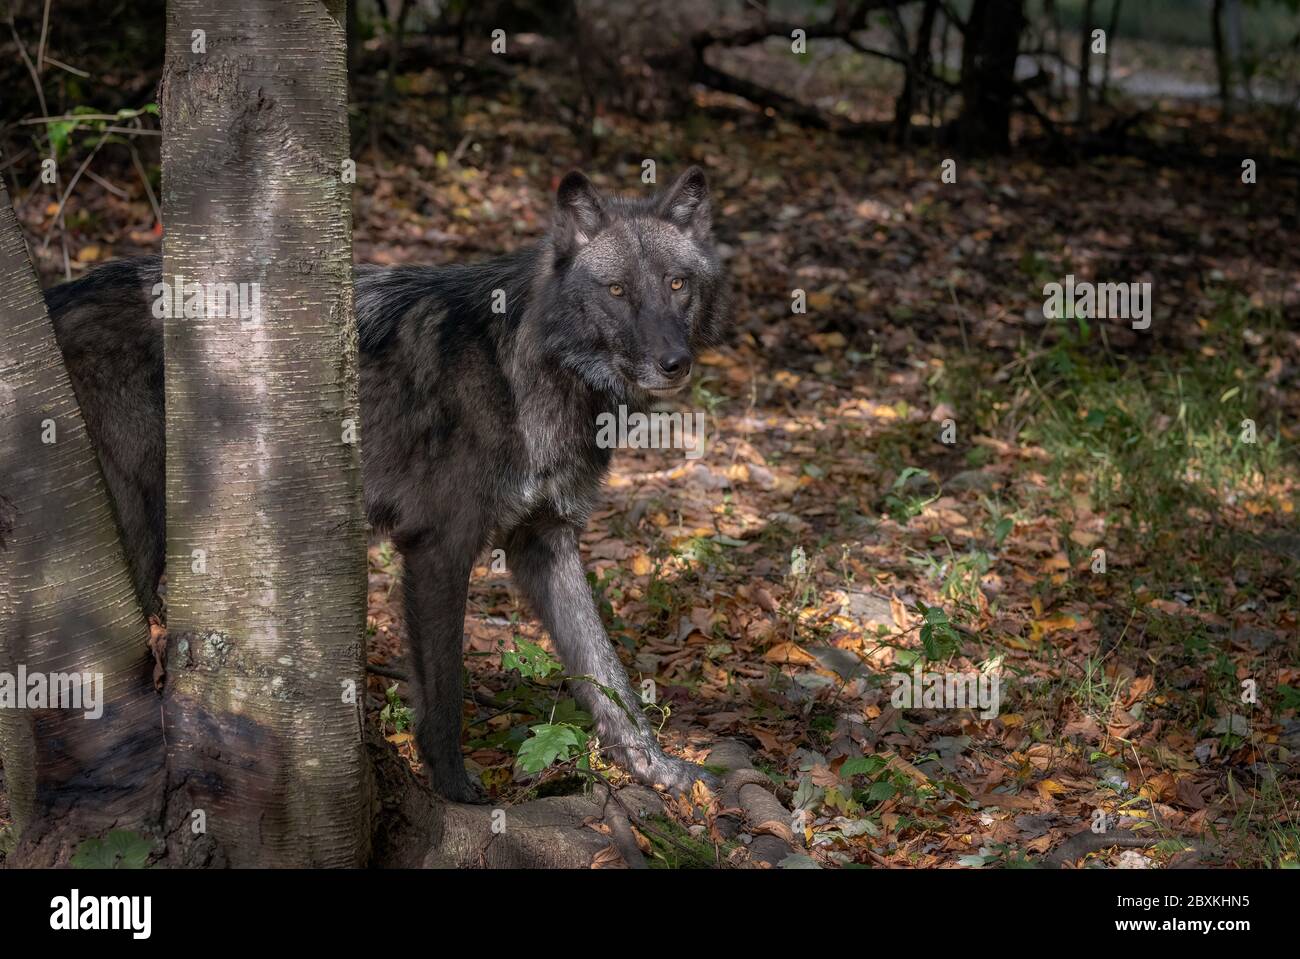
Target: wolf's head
{"x": 639, "y": 284}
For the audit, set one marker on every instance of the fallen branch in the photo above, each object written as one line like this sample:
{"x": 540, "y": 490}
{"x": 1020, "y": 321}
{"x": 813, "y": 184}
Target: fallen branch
{"x": 1083, "y": 843}
{"x": 842, "y": 22}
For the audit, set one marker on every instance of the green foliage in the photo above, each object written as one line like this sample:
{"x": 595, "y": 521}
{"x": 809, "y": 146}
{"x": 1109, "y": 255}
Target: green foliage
{"x": 550, "y": 743}
{"x": 560, "y": 735}
{"x": 529, "y": 660}
{"x": 395, "y": 712}
{"x": 903, "y": 502}
{"x": 91, "y": 121}
{"x": 120, "y": 849}
{"x": 939, "y": 638}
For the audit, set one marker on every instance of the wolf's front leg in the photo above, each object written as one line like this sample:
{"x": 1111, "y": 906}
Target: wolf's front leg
{"x": 543, "y": 559}
{"x": 435, "y": 584}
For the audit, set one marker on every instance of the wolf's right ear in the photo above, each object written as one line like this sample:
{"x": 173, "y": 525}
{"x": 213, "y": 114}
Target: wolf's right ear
{"x": 579, "y": 213}
{"x": 686, "y": 203}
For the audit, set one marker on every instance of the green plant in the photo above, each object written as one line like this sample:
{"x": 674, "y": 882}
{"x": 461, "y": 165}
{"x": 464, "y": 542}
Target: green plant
{"x": 902, "y": 502}
{"x": 395, "y": 712}
{"x": 120, "y": 849}
{"x": 529, "y": 660}
{"x": 939, "y": 638}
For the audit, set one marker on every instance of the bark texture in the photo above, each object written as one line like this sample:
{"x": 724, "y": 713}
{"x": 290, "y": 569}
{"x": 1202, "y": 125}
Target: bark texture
{"x": 67, "y": 605}
{"x": 265, "y": 542}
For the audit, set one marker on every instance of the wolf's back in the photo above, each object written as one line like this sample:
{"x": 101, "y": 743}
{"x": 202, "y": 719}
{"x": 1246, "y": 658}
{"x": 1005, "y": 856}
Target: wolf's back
{"x": 112, "y": 349}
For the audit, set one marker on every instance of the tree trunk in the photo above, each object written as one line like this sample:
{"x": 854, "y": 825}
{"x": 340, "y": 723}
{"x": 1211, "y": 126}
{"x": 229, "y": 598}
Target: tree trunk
{"x": 1111, "y": 29}
{"x": 1232, "y": 41}
{"x": 1221, "y": 60}
{"x": 918, "y": 71}
{"x": 67, "y": 602}
{"x": 988, "y": 72}
{"x": 264, "y": 701}
{"x": 1085, "y": 68}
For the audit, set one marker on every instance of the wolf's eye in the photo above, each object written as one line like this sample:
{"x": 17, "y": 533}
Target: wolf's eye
{"x": 615, "y": 289}
{"x": 677, "y": 283}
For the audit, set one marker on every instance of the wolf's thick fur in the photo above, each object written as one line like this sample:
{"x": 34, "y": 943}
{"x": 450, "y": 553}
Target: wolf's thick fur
{"x": 478, "y": 427}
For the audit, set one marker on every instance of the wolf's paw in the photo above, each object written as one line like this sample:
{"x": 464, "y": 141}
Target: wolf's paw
{"x": 676, "y": 776}
{"x": 459, "y": 787}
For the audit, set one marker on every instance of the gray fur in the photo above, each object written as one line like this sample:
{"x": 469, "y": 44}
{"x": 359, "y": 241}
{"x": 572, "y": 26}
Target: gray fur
{"x": 478, "y": 428}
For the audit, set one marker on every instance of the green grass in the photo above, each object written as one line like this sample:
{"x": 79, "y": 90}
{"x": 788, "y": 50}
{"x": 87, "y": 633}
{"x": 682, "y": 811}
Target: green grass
{"x": 1159, "y": 442}
{"x": 1150, "y": 438}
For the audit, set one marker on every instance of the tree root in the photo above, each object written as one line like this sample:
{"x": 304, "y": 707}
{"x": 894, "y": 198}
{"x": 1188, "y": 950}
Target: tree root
{"x": 597, "y": 830}
{"x": 1083, "y": 843}
{"x": 750, "y": 808}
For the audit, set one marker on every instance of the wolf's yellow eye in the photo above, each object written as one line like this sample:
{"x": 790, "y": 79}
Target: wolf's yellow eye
{"x": 677, "y": 283}
{"x": 615, "y": 289}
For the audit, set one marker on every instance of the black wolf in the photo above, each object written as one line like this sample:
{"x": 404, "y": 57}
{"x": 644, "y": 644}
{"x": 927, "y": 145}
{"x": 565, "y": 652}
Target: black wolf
{"x": 480, "y": 389}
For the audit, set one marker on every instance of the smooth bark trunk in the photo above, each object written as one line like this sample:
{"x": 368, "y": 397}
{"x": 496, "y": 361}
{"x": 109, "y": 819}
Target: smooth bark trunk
{"x": 266, "y": 537}
{"x": 67, "y": 604}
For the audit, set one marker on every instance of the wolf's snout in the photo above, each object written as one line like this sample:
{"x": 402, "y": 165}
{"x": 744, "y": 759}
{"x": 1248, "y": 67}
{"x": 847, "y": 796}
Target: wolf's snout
{"x": 674, "y": 363}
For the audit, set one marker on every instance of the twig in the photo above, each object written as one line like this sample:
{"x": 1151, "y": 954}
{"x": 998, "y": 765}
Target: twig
{"x": 31, "y": 68}
{"x": 63, "y": 66}
{"x": 13, "y": 159}
{"x": 117, "y": 191}
{"x": 68, "y": 116}
{"x": 645, "y": 827}
{"x": 45, "y": 31}
{"x": 144, "y": 178}
{"x": 58, "y": 214}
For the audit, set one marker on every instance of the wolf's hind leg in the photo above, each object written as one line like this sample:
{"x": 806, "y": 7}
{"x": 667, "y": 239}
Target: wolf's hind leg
{"x": 544, "y": 561}
{"x": 435, "y": 585}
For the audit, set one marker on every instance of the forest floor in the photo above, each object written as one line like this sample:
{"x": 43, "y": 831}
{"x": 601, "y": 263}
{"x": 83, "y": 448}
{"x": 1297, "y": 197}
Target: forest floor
{"x": 919, "y": 472}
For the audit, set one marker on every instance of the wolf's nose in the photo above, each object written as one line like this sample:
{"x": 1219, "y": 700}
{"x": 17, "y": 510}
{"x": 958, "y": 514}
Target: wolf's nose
{"x": 674, "y": 364}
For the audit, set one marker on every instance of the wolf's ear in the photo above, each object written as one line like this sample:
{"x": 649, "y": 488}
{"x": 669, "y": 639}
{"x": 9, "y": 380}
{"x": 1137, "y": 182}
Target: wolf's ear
{"x": 579, "y": 213}
{"x": 686, "y": 204}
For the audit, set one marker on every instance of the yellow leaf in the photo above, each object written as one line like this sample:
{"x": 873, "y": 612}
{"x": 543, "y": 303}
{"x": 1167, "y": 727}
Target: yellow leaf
{"x": 641, "y": 564}
{"x": 1041, "y": 627}
{"x": 1049, "y": 787}
{"x": 902, "y": 765}
{"x": 829, "y": 341}
{"x": 789, "y": 653}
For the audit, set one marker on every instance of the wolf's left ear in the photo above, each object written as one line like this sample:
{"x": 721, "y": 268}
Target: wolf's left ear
{"x": 686, "y": 203}
{"x": 579, "y": 212}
